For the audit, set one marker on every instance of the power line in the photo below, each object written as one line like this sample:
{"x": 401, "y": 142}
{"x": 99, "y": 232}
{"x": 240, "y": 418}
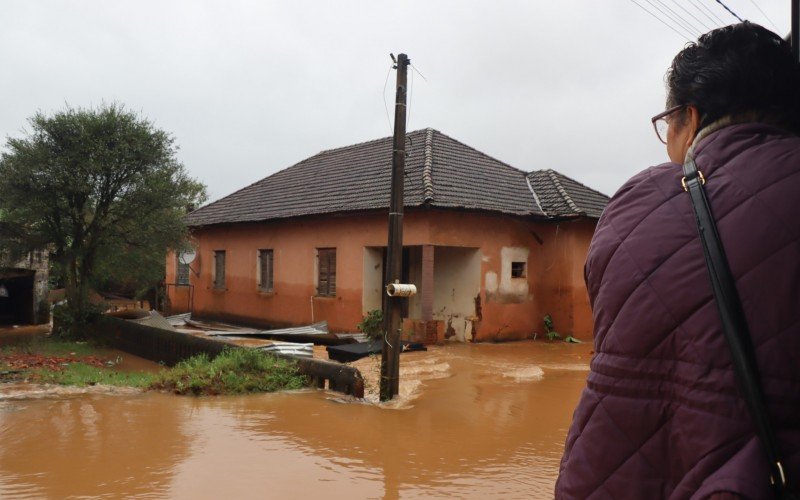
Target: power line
{"x": 729, "y": 10}
{"x": 702, "y": 8}
{"x": 415, "y": 69}
{"x": 410, "y": 96}
{"x": 704, "y": 25}
{"x": 674, "y": 21}
{"x": 682, "y": 35}
{"x": 680, "y": 20}
{"x": 765, "y": 15}
{"x": 386, "y": 106}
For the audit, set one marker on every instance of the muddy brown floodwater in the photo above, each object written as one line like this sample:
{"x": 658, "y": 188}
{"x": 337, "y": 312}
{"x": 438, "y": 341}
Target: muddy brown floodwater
{"x": 474, "y": 421}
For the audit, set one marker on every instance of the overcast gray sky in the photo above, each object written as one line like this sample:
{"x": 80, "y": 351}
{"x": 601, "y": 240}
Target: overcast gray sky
{"x": 250, "y": 88}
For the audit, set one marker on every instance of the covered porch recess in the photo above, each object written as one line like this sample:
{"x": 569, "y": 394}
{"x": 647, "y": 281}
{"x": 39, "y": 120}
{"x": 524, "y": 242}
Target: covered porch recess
{"x": 448, "y": 280}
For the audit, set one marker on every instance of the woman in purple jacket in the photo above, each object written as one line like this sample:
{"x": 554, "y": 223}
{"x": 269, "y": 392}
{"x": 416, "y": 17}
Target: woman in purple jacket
{"x": 662, "y": 415}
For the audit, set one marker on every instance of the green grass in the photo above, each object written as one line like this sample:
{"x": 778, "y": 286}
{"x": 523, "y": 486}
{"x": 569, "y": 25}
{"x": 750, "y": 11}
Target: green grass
{"x": 71, "y": 362}
{"x": 52, "y": 347}
{"x": 81, "y": 375}
{"x": 235, "y": 371}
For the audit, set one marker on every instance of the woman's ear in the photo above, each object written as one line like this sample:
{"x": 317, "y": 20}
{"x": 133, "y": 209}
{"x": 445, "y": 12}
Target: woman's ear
{"x": 692, "y": 124}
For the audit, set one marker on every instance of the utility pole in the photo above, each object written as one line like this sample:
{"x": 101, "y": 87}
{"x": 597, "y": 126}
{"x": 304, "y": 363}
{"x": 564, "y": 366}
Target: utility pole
{"x": 392, "y": 310}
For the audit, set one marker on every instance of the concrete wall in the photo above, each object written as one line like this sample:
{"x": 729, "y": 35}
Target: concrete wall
{"x": 505, "y": 308}
{"x": 372, "y": 293}
{"x": 169, "y": 347}
{"x": 456, "y": 284}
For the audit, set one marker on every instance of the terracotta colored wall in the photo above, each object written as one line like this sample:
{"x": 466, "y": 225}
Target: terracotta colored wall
{"x": 560, "y": 283}
{"x": 554, "y": 275}
{"x": 180, "y": 298}
{"x": 555, "y": 271}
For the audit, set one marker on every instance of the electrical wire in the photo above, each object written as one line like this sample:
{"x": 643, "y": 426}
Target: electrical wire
{"x": 423, "y": 76}
{"x": 408, "y": 101}
{"x": 682, "y": 35}
{"x": 732, "y": 12}
{"x": 674, "y": 21}
{"x": 765, "y": 15}
{"x": 704, "y": 25}
{"x": 679, "y": 20}
{"x": 702, "y": 8}
{"x": 386, "y": 106}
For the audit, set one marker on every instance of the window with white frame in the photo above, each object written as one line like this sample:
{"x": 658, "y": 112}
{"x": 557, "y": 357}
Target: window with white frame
{"x": 181, "y": 272}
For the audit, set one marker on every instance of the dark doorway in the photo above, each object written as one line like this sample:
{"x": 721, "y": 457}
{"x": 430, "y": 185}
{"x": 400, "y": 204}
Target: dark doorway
{"x": 16, "y": 296}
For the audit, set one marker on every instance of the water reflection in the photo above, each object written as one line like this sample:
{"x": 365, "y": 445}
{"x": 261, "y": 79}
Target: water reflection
{"x": 489, "y": 421}
{"x": 90, "y": 445}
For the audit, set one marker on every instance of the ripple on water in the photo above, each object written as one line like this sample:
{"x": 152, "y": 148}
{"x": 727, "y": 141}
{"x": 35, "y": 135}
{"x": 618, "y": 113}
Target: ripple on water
{"x": 24, "y": 391}
{"x": 570, "y": 367}
{"x": 525, "y": 374}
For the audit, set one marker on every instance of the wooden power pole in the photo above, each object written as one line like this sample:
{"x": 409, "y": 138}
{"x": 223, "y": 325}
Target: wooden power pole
{"x": 392, "y": 311}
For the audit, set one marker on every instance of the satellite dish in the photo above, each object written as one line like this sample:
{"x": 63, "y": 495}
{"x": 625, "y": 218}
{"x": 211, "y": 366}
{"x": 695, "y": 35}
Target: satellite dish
{"x": 187, "y": 256}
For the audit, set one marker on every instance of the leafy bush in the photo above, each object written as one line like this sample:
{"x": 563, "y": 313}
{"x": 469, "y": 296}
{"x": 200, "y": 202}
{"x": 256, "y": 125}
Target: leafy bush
{"x": 372, "y": 324}
{"x": 69, "y": 323}
{"x": 551, "y": 334}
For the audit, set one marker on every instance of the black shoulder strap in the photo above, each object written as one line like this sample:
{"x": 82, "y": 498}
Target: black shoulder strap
{"x": 734, "y": 323}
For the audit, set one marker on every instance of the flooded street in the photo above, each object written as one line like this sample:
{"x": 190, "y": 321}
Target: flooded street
{"x": 486, "y": 420}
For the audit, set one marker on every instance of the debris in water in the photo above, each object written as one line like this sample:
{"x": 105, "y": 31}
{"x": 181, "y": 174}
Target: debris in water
{"x": 352, "y": 352}
{"x": 290, "y": 349}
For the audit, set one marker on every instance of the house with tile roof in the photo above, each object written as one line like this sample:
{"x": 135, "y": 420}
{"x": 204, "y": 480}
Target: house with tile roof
{"x": 492, "y": 249}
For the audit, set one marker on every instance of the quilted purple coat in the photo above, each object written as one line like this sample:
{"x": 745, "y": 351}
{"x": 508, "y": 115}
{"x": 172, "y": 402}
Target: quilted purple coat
{"x": 662, "y": 416}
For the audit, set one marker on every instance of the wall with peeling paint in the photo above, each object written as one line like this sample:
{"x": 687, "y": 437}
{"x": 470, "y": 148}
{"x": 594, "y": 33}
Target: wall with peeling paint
{"x": 473, "y": 256}
{"x": 456, "y": 283}
{"x": 372, "y": 291}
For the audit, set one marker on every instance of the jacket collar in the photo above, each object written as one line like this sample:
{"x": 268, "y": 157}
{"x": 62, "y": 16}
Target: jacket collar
{"x": 727, "y": 121}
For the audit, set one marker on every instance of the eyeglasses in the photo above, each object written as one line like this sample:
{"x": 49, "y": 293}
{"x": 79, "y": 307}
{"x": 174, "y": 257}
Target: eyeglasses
{"x": 661, "y": 122}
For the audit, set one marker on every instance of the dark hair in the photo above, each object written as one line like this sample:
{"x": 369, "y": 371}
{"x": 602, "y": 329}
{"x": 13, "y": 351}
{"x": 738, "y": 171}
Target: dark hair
{"x": 741, "y": 68}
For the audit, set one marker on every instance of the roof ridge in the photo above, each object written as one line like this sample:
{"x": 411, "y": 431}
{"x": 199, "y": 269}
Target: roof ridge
{"x": 501, "y": 162}
{"x": 533, "y": 192}
{"x": 563, "y": 192}
{"x": 427, "y": 169}
{"x": 580, "y": 183}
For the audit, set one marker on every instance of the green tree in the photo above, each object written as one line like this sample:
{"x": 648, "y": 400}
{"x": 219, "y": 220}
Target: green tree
{"x": 103, "y": 189}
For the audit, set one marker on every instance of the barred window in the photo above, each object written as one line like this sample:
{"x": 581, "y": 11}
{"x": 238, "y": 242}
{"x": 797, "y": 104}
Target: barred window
{"x": 326, "y": 264}
{"x": 181, "y": 272}
{"x": 265, "y": 259}
{"x": 219, "y": 269}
